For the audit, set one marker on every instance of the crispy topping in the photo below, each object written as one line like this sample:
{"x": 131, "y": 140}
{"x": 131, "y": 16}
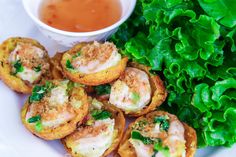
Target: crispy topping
{"x": 100, "y": 114}
{"x": 146, "y": 128}
{"x": 90, "y": 130}
{"x": 29, "y": 55}
{"x": 34, "y": 119}
{"x": 132, "y": 91}
{"x": 133, "y": 78}
{"x": 167, "y": 140}
{"x": 52, "y": 102}
{"x": 26, "y": 56}
{"x": 163, "y": 121}
{"x": 93, "y": 57}
{"x": 95, "y": 51}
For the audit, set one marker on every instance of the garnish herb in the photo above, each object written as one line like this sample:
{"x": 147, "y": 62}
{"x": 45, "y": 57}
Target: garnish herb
{"x": 69, "y": 65}
{"x": 34, "y": 119}
{"x": 135, "y": 97}
{"x": 18, "y": 66}
{"x": 164, "y": 123}
{"x": 49, "y": 86}
{"x": 159, "y": 148}
{"x": 137, "y": 136}
{"x": 39, "y": 91}
{"x": 192, "y": 43}
{"x": 37, "y": 121}
{"x": 100, "y": 114}
{"x": 37, "y": 69}
{"x": 38, "y": 126}
{"x": 76, "y": 55}
{"x": 103, "y": 89}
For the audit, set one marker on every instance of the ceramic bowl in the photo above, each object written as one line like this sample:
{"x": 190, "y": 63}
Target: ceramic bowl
{"x": 69, "y": 39}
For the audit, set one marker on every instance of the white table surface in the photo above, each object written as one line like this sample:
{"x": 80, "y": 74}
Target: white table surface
{"x": 15, "y": 141}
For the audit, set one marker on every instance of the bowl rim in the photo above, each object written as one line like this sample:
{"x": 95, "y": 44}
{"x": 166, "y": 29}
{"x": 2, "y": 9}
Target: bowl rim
{"x": 76, "y": 34}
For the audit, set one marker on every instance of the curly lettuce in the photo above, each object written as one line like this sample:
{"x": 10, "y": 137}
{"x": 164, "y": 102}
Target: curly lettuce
{"x": 195, "y": 52}
{"x": 224, "y": 11}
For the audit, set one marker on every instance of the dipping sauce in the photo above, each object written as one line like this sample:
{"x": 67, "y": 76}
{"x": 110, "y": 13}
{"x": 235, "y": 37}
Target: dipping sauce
{"x": 80, "y": 15}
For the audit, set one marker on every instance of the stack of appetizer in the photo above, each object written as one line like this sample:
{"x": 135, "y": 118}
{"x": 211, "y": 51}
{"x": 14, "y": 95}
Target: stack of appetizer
{"x": 81, "y": 96}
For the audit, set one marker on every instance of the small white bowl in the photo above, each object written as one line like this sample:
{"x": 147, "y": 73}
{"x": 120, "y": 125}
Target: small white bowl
{"x": 69, "y": 39}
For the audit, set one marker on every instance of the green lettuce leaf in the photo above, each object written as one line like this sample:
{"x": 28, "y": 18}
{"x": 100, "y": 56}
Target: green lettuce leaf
{"x": 223, "y": 11}
{"x": 196, "y": 55}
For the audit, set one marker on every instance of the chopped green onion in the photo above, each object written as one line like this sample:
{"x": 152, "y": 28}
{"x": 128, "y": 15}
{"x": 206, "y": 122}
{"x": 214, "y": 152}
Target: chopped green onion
{"x": 138, "y": 136}
{"x": 37, "y": 69}
{"x": 49, "y": 86}
{"x": 69, "y": 65}
{"x": 76, "y": 55}
{"x": 100, "y": 114}
{"x": 34, "y": 119}
{"x": 164, "y": 123}
{"x": 135, "y": 97}
{"x": 38, "y": 126}
{"x": 159, "y": 148}
{"x": 159, "y": 119}
{"x": 18, "y": 67}
{"x": 39, "y": 91}
{"x": 37, "y": 121}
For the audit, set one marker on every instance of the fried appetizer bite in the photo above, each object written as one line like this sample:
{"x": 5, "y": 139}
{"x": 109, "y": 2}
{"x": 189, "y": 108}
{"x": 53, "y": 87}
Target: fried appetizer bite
{"x": 57, "y": 72}
{"x": 54, "y": 109}
{"x": 93, "y": 63}
{"x": 23, "y": 63}
{"x": 158, "y": 134}
{"x": 100, "y": 134}
{"x": 137, "y": 92}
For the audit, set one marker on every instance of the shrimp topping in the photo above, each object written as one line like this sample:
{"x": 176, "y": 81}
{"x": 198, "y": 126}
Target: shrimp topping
{"x": 28, "y": 62}
{"x": 55, "y": 107}
{"x": 95, "y": 57}
{"x": 132, "y": 91}
{"x": 92, "y": 141}
{"x": 158, "y": 137}
{"x": 96, "y": 135}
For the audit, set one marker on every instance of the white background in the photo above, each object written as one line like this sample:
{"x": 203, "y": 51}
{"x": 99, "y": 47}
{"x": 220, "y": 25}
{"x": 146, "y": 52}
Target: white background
{"x": 15, "y": 140}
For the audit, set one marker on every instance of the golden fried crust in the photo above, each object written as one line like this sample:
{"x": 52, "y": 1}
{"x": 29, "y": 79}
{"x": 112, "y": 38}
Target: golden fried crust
{"x": 119, "y": 125}
{"x": 57, "y": 72}
{"x": 126, "y": 148}
{"x": 117, "y": 114}
{"x": 98, "y": 78}
{"x": 191, "y": 140}
{"x": 13, "y": 82}
{"x": 56, "y": 68}
{"x": 64, "y": 129}
{"x": 159, "y": 92}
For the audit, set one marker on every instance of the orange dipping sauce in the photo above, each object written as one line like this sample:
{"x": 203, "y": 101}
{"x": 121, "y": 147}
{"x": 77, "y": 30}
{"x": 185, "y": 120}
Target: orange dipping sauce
{"x": 80, "y": 15}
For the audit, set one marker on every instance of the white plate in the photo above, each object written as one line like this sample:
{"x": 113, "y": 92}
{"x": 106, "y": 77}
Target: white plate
{"x": 15, "y": 140}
